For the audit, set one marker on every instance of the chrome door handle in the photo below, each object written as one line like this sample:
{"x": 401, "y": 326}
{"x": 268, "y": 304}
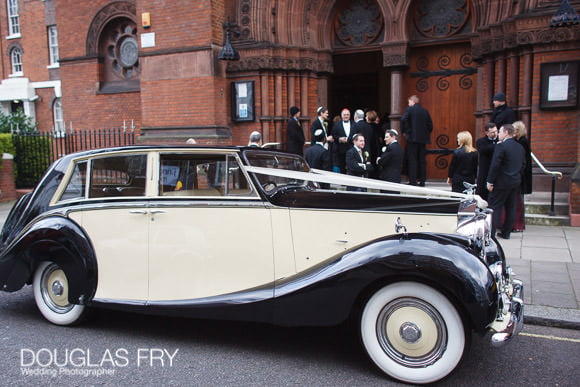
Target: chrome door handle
{"x": 142, "y": 212}
{"x": 342, "y": 241}
{"x": 157, "y": 211}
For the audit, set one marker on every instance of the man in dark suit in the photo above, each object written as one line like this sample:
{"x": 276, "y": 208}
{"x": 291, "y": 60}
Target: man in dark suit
{"x": 357, "y": 162}
{"x": 485, "y": 147}
{"x": 504, "y": 179}
{"x": 317, "y": 156}
{"x": 294, "y": 133}
{"x": 342, "y": 133}
{"x": 321, "y": 122}
{"x": 391, "y": 160}
{"x": 417, "y": 127}
{"x": 502, "y": 113}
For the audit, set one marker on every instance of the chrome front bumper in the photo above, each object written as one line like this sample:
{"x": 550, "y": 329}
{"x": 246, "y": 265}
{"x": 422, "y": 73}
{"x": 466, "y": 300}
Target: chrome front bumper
{"x": 512, "y": 322}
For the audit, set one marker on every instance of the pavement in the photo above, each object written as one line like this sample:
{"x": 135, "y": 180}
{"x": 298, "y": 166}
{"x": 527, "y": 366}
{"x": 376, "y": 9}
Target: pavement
{"x": 545, "y": 258}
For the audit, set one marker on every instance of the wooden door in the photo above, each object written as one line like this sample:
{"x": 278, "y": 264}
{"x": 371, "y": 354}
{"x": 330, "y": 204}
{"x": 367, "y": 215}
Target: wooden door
{"x": 444, "y": 78}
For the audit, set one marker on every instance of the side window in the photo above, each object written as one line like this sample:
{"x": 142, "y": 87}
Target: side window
{"x": 201, "y": 175}
{"x": 118, "y": 176}
{"x": 75, "y": 189}
{"x": 236, "y": 184}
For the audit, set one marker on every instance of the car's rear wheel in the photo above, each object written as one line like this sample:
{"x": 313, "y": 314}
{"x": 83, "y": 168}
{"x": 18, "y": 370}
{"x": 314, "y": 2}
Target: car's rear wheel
{"x": 51, "y": 295}
{"x": 412, "y": 332}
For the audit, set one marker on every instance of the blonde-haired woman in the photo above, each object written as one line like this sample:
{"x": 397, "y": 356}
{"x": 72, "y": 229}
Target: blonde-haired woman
{"x": 463, "y": 163}
{"x": 520, "y": 134}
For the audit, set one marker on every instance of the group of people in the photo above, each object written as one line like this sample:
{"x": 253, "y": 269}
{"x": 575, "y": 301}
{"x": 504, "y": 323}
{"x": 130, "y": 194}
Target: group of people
{"x": 361, "y": 147}
{"x": 499, "y": 163}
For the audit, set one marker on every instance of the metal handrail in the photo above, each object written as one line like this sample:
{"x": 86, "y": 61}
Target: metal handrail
{"x": 554, "y": 175}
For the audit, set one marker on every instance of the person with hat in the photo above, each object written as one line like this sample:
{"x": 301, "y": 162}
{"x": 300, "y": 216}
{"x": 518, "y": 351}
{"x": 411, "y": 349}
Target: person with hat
{"x": 294, "y": 133}
{"x": 320, "y": 123}
{"x": 317, "y": 156}
{"x": 502, "y": 113}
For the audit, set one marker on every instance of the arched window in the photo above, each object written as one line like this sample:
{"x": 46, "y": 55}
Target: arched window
{"x": 119, "y": 50}
{"x": 16, "y": 60}
{"x": 13, "y": 18}
{"x": 58, "y": 116}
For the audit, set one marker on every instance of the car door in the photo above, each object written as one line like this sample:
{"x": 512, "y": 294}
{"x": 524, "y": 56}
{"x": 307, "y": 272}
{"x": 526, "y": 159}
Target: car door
{"x": 114, "y": 215}
{"x": 210, "y": 233}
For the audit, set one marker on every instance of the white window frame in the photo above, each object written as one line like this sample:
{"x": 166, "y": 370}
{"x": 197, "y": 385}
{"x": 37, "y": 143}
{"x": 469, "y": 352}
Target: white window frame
{"x": 16, "y": 62}
{"x": 58, "y": 117}
{"x": 53, "y": 46}
{"x": 13, "y": 19}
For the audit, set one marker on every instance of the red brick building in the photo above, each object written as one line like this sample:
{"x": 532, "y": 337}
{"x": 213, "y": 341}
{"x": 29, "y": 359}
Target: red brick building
{"x": 96, "y": 64}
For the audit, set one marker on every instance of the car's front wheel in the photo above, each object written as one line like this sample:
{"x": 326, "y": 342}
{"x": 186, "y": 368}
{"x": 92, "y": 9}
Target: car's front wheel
{"x": 51, "y": 295}
{"x": 412, "y": 332}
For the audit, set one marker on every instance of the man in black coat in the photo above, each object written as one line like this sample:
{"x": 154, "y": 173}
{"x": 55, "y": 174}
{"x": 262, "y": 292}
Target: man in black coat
{"x": 485, "y": 147}
{"x": 417, "y": 127}
{"x": 317, "y": 156}
{"x": 504, "y": 179}
{"x": 391, "y": 160}
{"x": 294, "y": 133}
{"x": 342, "y": 132}
{"x": 502, "y": 113}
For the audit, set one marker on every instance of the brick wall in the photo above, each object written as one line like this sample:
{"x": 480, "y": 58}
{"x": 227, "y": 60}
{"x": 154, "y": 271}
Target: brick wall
{"x": 7, "y": 187}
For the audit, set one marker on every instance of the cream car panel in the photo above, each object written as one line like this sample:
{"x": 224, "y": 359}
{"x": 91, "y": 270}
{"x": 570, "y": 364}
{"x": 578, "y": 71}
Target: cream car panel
{"x": 200, "y": 251}
{"x": 119, "y": 237}
{"x": 285, "y": 264}
{"x": 319, "y": 234}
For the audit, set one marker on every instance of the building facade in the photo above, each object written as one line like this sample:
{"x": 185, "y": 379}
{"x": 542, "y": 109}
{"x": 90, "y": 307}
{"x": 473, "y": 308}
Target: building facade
{"x": 154, "y": 63}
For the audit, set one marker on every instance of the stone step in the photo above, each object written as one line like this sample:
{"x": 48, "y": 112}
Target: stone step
{"x": 547, "y": 220}
{"x": 543, "y": 208}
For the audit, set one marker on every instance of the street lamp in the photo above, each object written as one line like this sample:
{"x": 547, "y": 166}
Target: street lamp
{"x": 565, "y": 16}
{"x": 229, "y": 52}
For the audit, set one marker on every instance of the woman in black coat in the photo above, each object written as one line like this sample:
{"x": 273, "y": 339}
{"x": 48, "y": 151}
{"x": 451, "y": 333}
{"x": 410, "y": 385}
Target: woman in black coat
{"x": 526, "y": 187}
{"x": 463, "y": 163}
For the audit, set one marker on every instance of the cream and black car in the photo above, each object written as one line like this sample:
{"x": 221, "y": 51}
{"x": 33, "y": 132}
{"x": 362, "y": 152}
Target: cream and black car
{"x": 255, "y": 234}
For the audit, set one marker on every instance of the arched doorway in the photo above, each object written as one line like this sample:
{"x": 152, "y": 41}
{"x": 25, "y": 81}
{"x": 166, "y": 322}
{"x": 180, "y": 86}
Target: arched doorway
{"x": 359, "y": 80}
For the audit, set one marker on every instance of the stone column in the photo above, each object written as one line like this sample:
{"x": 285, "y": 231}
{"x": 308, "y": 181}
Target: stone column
{"x": 526, "y": 104}
{"x": 397, "y": 98}
{"x": 265, "y": 111}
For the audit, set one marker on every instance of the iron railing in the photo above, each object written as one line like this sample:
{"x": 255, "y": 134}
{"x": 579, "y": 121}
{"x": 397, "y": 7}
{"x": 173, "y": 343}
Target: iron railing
{"x": 35, "y": 151}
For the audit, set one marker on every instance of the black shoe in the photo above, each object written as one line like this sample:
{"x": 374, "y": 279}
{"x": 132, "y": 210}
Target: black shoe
{"x": 421, "y": 184}
{"x": 503, "y": 236}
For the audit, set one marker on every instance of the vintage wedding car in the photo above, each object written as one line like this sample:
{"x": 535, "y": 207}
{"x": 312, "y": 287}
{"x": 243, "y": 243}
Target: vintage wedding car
{"x": 254, "y": 234}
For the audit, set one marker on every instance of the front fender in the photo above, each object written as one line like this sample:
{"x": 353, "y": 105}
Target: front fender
{"x": 329, "y": 292}
{"x": 57, "y": 239}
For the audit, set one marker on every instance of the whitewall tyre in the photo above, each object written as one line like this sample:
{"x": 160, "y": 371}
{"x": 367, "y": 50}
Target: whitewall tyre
{"x": 412, "y": 332}
{"x": 51, "y": 295}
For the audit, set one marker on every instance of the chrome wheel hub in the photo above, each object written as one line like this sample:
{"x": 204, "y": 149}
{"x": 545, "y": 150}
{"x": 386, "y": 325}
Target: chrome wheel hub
{"x": 410, "y": 332}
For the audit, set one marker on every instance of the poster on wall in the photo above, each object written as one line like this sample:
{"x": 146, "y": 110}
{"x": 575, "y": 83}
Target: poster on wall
{"x": 559, "y": 85}
{"x": 243, "y": 101}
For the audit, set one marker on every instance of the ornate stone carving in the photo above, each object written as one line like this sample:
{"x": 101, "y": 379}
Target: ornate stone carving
{"x": 441, "y": 18}
{"x": 110, "y": 11}
{"x": 279, "y": 63}
{"x": 359, "y": 24}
